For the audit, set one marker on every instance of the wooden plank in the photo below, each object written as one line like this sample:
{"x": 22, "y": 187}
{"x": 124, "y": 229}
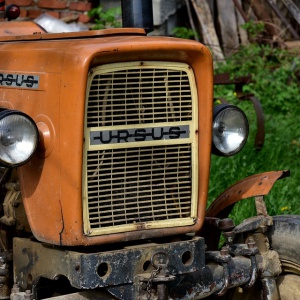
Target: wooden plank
{"x": 187, "y": 3}
{"x": 207, "y": 28}
{"x": 293, "y": 9}
{"x": 240, "y": 21}
{"x": 283, "y": 19}
{"x": 263, "y": 13}
{"x": 228, "y": 26}
{"x": 295, "y": 45}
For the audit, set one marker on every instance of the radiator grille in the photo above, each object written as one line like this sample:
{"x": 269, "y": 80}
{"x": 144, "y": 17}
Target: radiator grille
{"x": 138, "y": 96}
{"x": 139, "y": 185}
{"x": 150, "y": 181}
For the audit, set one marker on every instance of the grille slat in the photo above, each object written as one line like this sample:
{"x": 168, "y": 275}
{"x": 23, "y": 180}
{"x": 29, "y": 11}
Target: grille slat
{"x": 126, "y": 189}
{"x": 140, "y": 197}
{"x": 133, "y": 107}
{"x": 142, "y": 184}
{"x": 154, "y": 184}
{"x": 139, "y": 96}
{"x": 142, "y": 200}
{"x": 132, "y": 211}
{"x": 105, "y": 166}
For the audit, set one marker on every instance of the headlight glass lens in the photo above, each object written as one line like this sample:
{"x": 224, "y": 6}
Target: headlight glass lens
{"x": 18, "y": 138}
{"x": 230, "y": 130}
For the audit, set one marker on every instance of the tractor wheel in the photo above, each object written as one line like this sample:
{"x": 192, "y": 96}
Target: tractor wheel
{"x": 284, "y": 237}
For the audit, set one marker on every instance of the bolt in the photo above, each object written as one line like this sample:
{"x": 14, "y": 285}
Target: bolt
{"x": 229, "y": 236}
{"x": 28, "y": 294}
{"x": 17, "y": 186}
{"x": 251, "y": 243}
{"x": 224, "y": 251}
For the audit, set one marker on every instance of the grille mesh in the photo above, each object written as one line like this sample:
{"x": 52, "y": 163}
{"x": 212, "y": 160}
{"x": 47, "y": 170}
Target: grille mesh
{"x": 138, "y": 185}
{"x": 145, "y": 182}
{"x": 139, "y": 96}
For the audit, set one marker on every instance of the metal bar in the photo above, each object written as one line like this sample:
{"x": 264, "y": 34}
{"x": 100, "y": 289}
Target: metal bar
{"x": 260, "y": 133}
{"x": 269, "y": 289}
{"x": 224, "y": 78}
{"x": 90, "y": 295}
{"x": 260, "y": 205}
{"x": 162, "y": 291}
{"x": 103, "y": 269}
{"x": 211, "y": 280}
{"x": 137, "y": 14}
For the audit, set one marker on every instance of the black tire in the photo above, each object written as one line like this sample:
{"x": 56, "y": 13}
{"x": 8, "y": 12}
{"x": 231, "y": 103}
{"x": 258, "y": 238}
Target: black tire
{"x": 284, "y": 238}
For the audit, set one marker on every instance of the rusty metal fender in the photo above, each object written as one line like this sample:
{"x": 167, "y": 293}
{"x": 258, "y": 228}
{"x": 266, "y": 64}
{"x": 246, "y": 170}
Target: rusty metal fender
{"x": 255, "y": 185}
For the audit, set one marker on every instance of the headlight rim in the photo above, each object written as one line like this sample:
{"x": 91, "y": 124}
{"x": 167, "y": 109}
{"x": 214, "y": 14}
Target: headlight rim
{"x": 216, "y": 111}
{"x": 7, "y": 112}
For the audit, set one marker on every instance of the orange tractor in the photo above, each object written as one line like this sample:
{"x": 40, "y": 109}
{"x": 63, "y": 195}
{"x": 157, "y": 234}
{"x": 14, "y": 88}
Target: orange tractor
{"x": 105, "y": 145}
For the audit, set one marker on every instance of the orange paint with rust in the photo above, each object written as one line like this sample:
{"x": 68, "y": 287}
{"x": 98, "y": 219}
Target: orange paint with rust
{"x": 255, "y": 185}
{"x": 51, "y": 181}
{"x": 13, "y": 29}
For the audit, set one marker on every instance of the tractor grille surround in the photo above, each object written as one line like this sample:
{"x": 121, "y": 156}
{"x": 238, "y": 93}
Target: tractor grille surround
{"x": 140, "y": 153}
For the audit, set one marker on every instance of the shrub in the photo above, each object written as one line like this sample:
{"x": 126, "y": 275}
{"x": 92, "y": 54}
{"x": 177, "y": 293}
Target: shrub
{"x": 105, "y": 19}
{"x": 274, "y": 72}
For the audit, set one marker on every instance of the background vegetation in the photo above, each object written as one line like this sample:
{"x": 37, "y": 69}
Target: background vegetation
{"x": 276, "y": 82}
{"x": 103, "y": 19}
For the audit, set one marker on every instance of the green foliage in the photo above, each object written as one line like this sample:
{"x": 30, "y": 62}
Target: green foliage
{"x": 275, "y": 83}
{"x": 184, "y": 33}
{"x": 273, "y": 72}
{"x": 105, "y": 19}
{"x": 254, "y": 28}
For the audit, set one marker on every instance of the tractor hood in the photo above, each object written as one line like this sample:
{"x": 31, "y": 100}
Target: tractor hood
{"x": 30, "y": 31}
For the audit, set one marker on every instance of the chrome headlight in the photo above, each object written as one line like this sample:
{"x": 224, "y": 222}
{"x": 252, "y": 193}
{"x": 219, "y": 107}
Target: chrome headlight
{"x": 230, "y": 130}
{"x": 18, "y": 138}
